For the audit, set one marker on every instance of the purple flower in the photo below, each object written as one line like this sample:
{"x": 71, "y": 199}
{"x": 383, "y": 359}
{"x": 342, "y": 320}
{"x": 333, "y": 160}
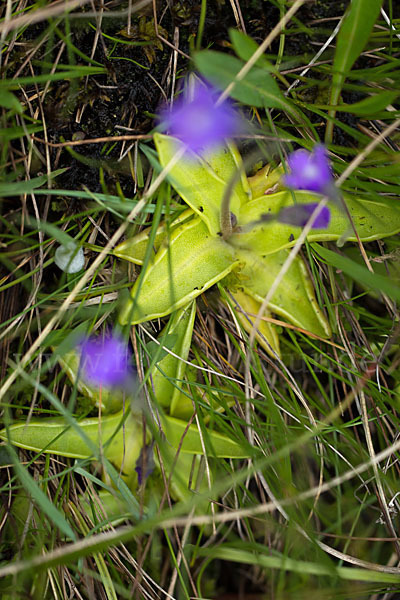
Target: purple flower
{"x": 299, "y": 214}
{"x": 145, "y": 464}
{"x": 106, "y": 361}
{"x": 310, "y": 171}
{"x": 198, "y": 122}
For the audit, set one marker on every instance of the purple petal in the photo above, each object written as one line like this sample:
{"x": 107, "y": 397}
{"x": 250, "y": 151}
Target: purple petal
{"x": 199, "y": 123}
{"x": 145, "y": 464}
{"x": 309, "y": 171}
{"x": 105, "y": 361}
{"x": 299, "y": 215}
{"x": 323, "y": 219}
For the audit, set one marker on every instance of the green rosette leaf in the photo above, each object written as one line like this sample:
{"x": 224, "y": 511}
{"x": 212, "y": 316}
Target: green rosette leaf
{"x": 168, "y": 373}
{"x": 247, "y": 311}
{"x": 119, "y": 440}
{"x": 189, "y": 440}
{"x": 191, "y": 263}
{"x": 134, "y": 249}
{"x": 372, "y": 220}
{"x": 294, "y": 298}
{"x": 201, "y": 182}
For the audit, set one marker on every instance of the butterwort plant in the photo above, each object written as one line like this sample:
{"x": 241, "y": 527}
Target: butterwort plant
{"x": 119, "y": 436}
{"x": 190, "y": 255}
{"x": 196, "y": 254}
{"x": 236, "y": 237}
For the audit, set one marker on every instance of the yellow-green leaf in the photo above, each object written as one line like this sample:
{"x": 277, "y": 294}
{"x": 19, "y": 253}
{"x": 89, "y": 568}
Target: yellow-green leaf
{"x": 201, "y": 182}
{"x": 294, "y": 299}
{"x": 134, "y": 249}
{"x": 372, "y": 220}
{"x": 189, "y": 440}
{"x": 266, "y": 180}
{"x": 121, "y": 443}
{"x": 168, "y": 373}
{"x": 193, "y": 261}
{"x": 246, "y": 312}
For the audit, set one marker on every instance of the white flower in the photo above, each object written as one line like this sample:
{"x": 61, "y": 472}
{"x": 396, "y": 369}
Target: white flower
{"x": 69, "y": 258}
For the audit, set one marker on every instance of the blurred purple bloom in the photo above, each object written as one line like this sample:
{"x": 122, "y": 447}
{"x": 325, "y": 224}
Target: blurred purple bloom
{"x": 299, "y": 214}
{"x": 310, "y": 171}
{"x": 106, "y": 361}
{"x": 199, "y": 123}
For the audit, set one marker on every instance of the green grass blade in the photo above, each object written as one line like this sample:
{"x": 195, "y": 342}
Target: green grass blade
{"x": 40, "y": 497}
{"x": 258, "y": 88}
{"x": 353, "y": 36}
{"x": 370, "y": 280}
{"x": 299, "y": 566}
{"x": 16, "y": 188}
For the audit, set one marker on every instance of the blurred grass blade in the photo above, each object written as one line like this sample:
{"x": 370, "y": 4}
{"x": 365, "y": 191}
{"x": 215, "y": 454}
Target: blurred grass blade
{"x": 58, "y": 76}
{"x": 258, "y": 88}
{"x": 16, "y": 188}
{"x": 8, "y": 100}
{"x": 15, "y": 133}
{"x": 361, "y": 274}
{"x": 299, "y": 566}
{"x": 352, "y": 38}
{"x": 366, "y": 107}
{"x": 40, "y": 497}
